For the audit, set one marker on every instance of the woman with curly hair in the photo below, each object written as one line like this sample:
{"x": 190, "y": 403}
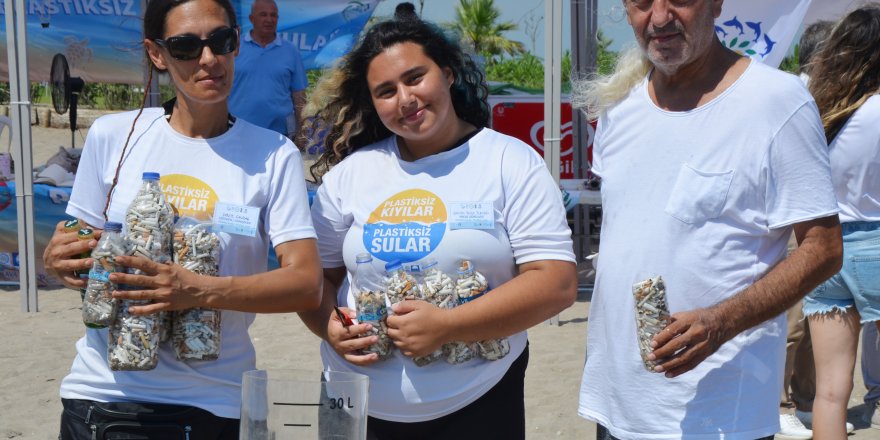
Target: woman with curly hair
{"x": 846, "y": 86}
{"x": 411, "y": 173}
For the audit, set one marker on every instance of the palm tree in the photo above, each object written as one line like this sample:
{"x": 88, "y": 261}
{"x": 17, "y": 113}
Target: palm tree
{"x": 477, "y": 23}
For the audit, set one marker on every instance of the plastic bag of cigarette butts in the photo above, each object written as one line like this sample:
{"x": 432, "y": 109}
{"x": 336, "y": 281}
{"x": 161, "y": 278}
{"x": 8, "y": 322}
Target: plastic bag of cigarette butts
{"x": 195, "y": 332}
{"x": 652, "y": 314}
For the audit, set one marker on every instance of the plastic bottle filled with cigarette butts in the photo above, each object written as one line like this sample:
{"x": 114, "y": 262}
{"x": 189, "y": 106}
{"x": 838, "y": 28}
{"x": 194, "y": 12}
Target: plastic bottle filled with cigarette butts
{"x": 369, "y": 293}
{"x": 149, "y": 221}
{"x": 99, "y": 307}
{"x": 441, "y": 290}
{"x": 469, "y": 286}
{"x": 651, "y": 312}
{"x": 430, "y": 289}
{"x": 82, "y": 234}
{"x": 399, "y": 284}
{"x": 196, "y": 332}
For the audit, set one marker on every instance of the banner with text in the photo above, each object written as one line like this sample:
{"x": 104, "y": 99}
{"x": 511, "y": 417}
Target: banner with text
{"x": 102, "y": 39}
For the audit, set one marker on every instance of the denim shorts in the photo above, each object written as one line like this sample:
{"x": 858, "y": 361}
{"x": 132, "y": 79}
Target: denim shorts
{"x": 858, "y": 282}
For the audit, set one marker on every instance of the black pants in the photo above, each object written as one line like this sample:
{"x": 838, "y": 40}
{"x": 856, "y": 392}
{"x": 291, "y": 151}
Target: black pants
{"x": 603, "y": 434}
{"x": 84, "y": 420}
{"x": 497, "y": 415}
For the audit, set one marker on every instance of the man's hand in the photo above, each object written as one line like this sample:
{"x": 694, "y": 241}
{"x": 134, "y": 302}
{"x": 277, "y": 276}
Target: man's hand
{"x": 690, "y": 338}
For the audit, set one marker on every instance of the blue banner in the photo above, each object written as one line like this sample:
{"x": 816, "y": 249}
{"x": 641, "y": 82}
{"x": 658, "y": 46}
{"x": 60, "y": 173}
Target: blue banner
{"x": 102, "y": 39}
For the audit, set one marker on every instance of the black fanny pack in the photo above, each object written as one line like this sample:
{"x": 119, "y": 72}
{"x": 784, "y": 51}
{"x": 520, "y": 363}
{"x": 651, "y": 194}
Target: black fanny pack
{"x": 126, "y": 420}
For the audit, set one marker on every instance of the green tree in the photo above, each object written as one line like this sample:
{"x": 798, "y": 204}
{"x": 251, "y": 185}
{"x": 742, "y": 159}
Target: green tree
{"x": 790, "y": 63}
{"x": 477, "y": 23}
{"x": 526, "y": 72}
{"x": 605, "y": 58}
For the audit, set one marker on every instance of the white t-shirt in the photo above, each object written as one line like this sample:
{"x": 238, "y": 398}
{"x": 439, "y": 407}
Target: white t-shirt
{"x": 373, "y": 201}
{"x": 855, "y": 164}
{"x": 706, "y": 199}
{"x": 248, "y": 166}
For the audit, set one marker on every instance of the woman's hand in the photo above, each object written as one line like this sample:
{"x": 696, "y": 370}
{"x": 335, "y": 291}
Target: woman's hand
{"x": 63, "y": 256}
{"x": 418, "y": 327}
{"x": 168, "y": 286}
{"x": 347, "y": 341}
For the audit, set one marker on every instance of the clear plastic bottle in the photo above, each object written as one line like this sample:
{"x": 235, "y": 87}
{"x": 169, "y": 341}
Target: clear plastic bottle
{"x": 469, "y": 286}
{"x": 443, "y": 291}
{"x": 83, "y": 234}
{"x": 196, "y": 332}
{"x": 99, "y": 307}
{"x": 369, "y": 296}
{"x": 149, "y": 222}
{"x": 134, "y": 339}
{"x": 429, "y": 289}
{"x": 399, "y": 284}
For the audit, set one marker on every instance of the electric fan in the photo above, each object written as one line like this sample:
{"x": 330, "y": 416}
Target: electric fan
{"x": 65, "y": 90}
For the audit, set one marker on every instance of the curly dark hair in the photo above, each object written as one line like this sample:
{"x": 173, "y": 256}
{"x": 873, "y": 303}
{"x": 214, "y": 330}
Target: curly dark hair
{"x": 340, "y": 115}
{"x": 844, "y": 73}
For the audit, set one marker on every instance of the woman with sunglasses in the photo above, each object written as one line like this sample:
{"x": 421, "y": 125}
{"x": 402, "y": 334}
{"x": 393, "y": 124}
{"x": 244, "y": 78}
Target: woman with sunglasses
{"x": 417, "y": 176}
{"x": 208, "y": 160}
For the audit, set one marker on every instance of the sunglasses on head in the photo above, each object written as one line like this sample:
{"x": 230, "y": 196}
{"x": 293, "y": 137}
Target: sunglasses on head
{"x": 189, "y": 47}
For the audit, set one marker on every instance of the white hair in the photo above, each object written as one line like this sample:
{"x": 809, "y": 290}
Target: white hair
{"x": 596, "y": 93}
{"x": 271, "y": 2}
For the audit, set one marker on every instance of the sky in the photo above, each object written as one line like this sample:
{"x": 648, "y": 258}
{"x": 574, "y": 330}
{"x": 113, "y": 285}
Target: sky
{"x": 611, "y": 19}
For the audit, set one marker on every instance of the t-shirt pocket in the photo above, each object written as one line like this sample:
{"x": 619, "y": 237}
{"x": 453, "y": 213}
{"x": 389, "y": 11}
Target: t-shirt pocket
{"x": 698, "y": 196}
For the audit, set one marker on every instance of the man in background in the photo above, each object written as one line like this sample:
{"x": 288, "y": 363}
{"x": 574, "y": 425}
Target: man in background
{"x": 270, "y": 80}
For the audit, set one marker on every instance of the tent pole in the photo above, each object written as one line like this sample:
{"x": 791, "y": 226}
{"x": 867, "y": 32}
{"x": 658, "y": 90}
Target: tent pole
{"x": 20, "y": 106}
{"x": 552, "y": 83}
{"x": 584, "y": 52}
{"x": 153, "y": 95}
{"x": 552, "y": 90}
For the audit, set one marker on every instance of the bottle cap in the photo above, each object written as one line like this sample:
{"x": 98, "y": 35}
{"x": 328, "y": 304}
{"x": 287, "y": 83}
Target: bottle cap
{"x": 393, "y": 265}
{"x": 113, "y": 226}
{"x": 149, "y": 175}
{"x": 85, "y": 234}
{"x": 363, "y": 258}
{"x": 71, "y": 225}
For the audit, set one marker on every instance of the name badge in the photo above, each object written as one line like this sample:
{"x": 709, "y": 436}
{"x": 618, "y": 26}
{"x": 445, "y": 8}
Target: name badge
{"x": 236, "y": 219}
{"x": 471, "y": 215}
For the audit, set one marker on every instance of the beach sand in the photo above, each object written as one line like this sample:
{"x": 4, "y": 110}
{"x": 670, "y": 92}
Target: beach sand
{"x": 38, "y": 348}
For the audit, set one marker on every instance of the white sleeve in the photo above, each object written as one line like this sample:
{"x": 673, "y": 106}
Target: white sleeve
{"x": 533, "y": 212}
{"x": 798, "y": 173}
{"x": 287, "y": 210}
{"x": 89, "y": 194}
{"x": 331, "y": 224}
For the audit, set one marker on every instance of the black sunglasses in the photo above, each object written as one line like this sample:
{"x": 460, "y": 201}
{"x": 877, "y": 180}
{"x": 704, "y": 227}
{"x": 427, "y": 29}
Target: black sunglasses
{"x": 189, "y": 47}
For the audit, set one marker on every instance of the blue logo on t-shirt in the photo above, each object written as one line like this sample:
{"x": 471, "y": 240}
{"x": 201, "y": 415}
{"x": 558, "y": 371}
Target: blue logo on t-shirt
{"x": 407, "y": 226}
